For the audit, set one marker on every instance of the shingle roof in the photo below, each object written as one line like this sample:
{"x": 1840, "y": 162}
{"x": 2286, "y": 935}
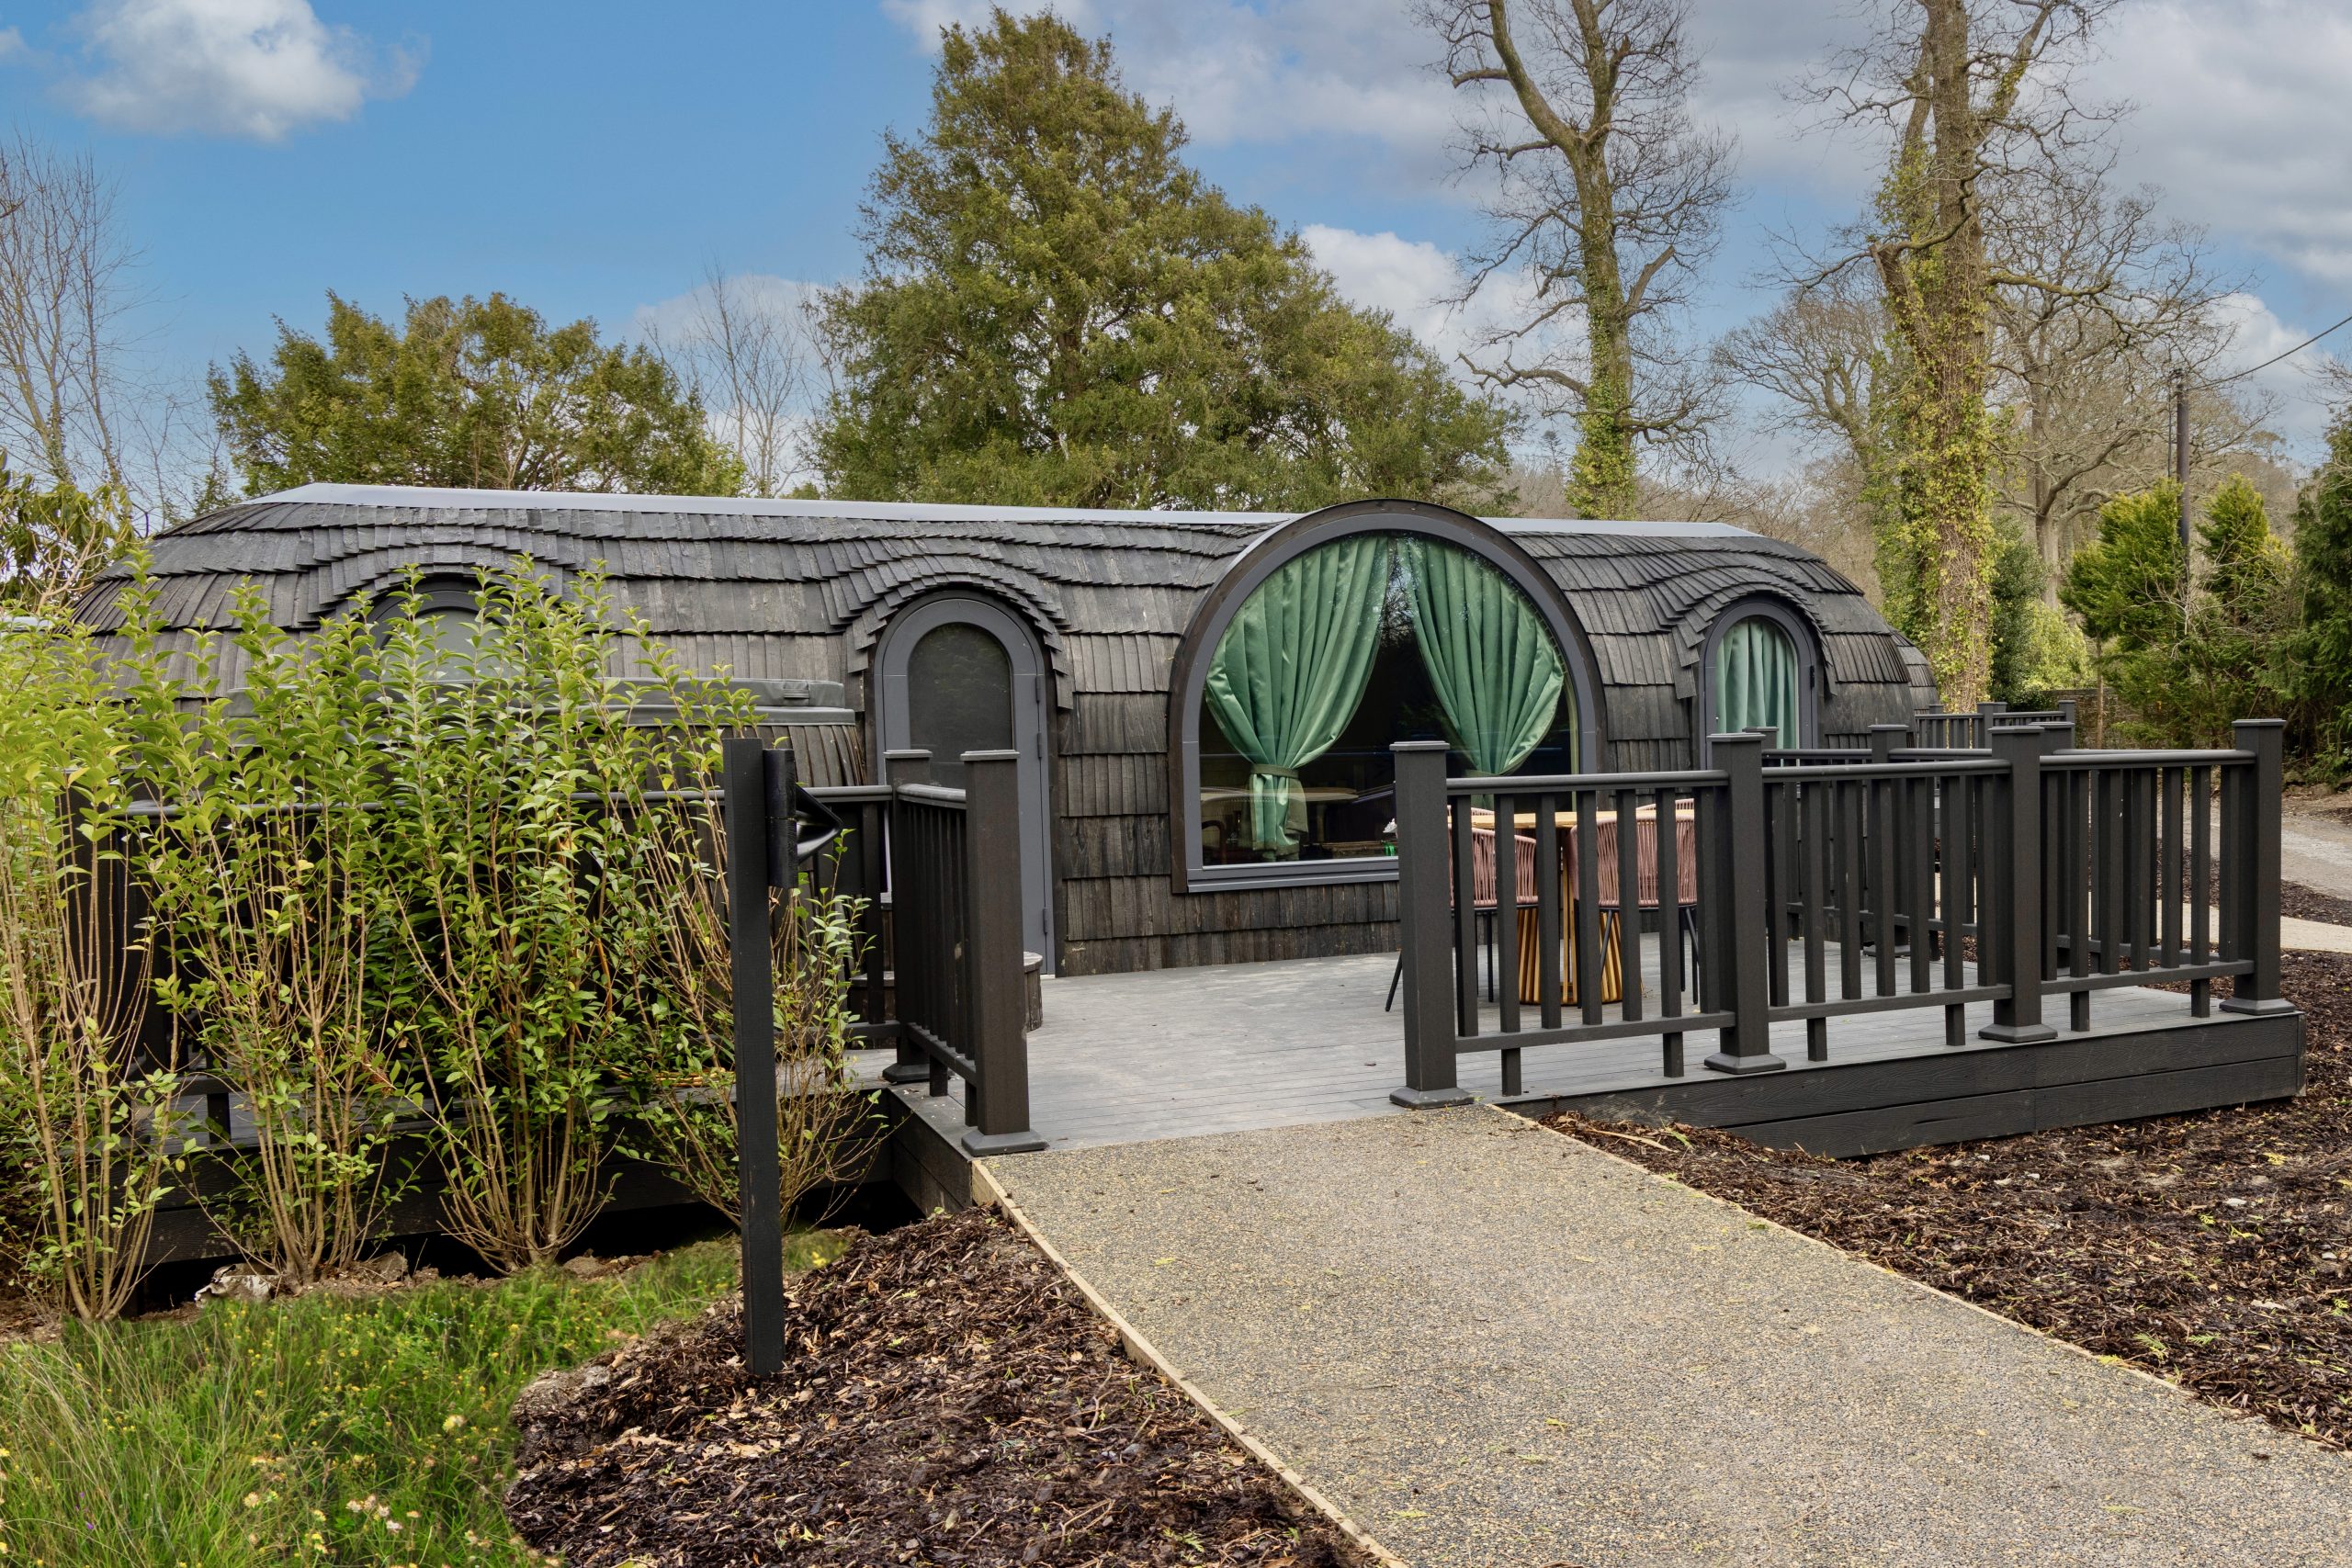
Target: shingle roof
{"x": 801, "y": 588}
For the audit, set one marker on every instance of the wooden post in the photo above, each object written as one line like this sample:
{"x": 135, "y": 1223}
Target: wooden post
{"x": 1740, "y": 851}
{"x": 913, "y": 1065}
{"x": 1884, "y": 739}
{"x": 2014, "y": 853}
{"x": 1425, "y": 926}
{"x": 749, "y": 830}
{"x": 992, "y": 957}
{"x": 2256, "y": 838}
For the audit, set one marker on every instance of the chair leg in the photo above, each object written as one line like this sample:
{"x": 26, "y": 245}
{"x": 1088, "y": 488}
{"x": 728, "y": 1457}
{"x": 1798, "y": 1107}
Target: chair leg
{"x": 1393, "y": 981}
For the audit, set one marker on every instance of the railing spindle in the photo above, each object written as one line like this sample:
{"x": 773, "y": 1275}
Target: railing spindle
{"x": 1669, "y": 925}
{"x": 1629, "y": 904}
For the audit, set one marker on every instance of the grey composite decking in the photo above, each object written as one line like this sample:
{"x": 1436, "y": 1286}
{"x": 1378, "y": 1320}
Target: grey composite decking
{"x": 1180, "y": 1052}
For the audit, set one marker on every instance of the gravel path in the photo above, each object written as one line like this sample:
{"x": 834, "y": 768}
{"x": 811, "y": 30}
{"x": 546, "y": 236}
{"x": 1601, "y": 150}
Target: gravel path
{"x": 1495, "y": 1346}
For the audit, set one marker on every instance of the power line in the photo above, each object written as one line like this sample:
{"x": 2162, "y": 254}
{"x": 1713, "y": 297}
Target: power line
{"x": 2241, "y": 375}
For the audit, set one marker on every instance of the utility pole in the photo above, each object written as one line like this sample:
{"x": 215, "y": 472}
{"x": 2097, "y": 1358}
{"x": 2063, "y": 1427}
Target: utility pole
{"x": 2180, "y": 474}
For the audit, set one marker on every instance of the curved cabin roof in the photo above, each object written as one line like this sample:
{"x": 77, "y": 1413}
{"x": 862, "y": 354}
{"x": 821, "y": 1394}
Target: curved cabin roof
{"x": 799, "y": 590}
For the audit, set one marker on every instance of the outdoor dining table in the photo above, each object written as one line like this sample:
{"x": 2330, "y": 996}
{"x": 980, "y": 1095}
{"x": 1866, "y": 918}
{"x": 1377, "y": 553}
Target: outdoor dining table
{"x": 1603, "y": 827}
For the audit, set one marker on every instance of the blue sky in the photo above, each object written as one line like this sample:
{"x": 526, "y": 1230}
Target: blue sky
{"x": 590, "y": 158}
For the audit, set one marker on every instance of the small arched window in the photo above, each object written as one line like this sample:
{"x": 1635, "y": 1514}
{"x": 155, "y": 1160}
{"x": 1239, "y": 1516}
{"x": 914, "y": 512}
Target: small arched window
{"x": 447, "y": 609}
{"x": 1314, "y": 661}
{"x": 1760, "y": 673}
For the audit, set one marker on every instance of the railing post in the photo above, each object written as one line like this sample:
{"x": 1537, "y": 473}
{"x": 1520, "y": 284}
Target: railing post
{"x": 746, "y": 761}
{"x": 2255, "y": 837}
{"x": 913, "y": 1065}
{"x": 1425, "y": 926}
{"x": 2014, "y": 855}
{"x": 1739, "y": 854}
{"x": 993, "y": 980}
{"x": 1884, "y": 739}
{"x": 2068, "y": 712}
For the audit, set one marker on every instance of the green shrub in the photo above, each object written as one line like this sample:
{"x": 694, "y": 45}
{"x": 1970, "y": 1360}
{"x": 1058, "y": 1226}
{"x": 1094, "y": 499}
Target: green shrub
{"x": 86, "y": 1122}
{"x": 402, "y": 884}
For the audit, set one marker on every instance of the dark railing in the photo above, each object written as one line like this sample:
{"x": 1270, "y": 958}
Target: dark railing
{"x": 958, "y": 1002}
{"x": 1826, "y": 886}
{"x": 1967, "y": 731}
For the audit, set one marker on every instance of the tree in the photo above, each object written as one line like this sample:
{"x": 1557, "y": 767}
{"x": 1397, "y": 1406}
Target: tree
{"x": 55, "y": 538}
{"x": 1056, "y": 311}
{"x": 475, "y": 393}
{"x": 2126, "y": 583}
{"x": 1974, "y": 91}
{"x": 743, "y": 349}
{"x": 63, "y": 295}
{"x": 1607, "y": 199}
{"x": 2183, "y": 676}
{"x": 2083, "y": 358}
{"x": 2323, "y": 648}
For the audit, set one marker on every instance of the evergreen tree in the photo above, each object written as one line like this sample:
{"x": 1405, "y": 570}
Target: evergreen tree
{"x": 2126, "y": 583}
{"x": 2183, "y": 680}
{"x": 475, "y": 393}
{"x": 2323, "y": 648}
{"x": 1057, "y": 311}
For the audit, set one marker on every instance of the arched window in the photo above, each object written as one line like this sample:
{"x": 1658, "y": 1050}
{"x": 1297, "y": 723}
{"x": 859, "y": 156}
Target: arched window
{"x": 1760, "y": 673}
{"x": 446, "y": 609}
{"x": 1309, "y": 662}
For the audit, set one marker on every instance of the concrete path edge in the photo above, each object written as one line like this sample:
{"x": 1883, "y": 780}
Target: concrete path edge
{"x": 1142, "y": 1350}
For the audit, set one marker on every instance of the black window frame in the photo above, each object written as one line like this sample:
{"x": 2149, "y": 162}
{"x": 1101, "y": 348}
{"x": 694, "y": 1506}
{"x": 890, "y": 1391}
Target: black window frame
{"x": 1188, "y": 675}
{"x": 1802, "y": 636}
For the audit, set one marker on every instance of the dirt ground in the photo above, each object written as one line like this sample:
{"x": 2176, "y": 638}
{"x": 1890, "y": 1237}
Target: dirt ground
{"x": 947, "y": 1397}
{"x": 2213, "y": 1250}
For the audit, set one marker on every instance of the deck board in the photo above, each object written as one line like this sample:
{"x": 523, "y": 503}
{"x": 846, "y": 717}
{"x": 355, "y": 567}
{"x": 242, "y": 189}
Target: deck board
{"x": 1181, "y": 1053}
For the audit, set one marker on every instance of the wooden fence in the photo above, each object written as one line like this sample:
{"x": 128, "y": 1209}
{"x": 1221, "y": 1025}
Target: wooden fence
{"x": 1829, "y": 886}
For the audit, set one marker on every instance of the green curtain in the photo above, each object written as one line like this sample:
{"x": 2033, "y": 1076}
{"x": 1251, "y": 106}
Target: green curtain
{"x": 1498, "y": 672}
{"x": 1755, "y": 679}
{"x": 1291, "y": 669}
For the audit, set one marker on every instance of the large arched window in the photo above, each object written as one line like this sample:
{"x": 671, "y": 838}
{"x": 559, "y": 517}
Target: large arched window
{"x": 1759, "y": 671}
{"x": 1310, "y": 661}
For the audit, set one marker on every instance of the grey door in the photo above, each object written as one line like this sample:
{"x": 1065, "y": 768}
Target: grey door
{"x": 962, "y": 673}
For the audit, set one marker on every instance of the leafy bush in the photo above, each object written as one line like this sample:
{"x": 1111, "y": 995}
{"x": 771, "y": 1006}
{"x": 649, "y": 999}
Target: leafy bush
{"x": 531, "y": 857}
{"x": 85, "y": 1120}
{"x": 268, "y": 875}
{"x": 409, "y": 891}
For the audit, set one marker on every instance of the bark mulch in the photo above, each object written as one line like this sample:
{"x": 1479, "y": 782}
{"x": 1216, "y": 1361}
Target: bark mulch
{"x": 2303, "y": 903}
{"x": 947, "y": 1397}
{"x": 2214, "y": 1249}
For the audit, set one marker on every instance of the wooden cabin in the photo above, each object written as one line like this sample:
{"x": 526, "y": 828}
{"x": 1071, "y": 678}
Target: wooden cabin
{"x": 1203, "y": 702}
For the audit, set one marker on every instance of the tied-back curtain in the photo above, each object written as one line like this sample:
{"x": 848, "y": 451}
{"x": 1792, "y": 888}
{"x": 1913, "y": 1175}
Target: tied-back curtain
{"x": 1498, "y": 675}
{"x": 1290, "y": 670}
{"x": 1756, "y": 673}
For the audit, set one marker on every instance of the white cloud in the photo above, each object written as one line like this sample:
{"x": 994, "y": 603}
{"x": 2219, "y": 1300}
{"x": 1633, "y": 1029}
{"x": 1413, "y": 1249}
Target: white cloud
{"x": 1415, "y": 282}
{"x": 1240, "y": 73}
{"x": 2243, "y": 117}
{"x": 2300, "y": 407}
{"x": 258, "y": 69}
{"x": 676, "y": 317}
{"x": 12, "y": 44}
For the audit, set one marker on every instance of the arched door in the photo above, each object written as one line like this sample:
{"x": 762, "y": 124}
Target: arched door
{"x": 958, "y": 674}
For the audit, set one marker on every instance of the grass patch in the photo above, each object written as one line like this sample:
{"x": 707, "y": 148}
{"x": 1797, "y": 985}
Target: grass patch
{"x": 321, "y": 1429}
